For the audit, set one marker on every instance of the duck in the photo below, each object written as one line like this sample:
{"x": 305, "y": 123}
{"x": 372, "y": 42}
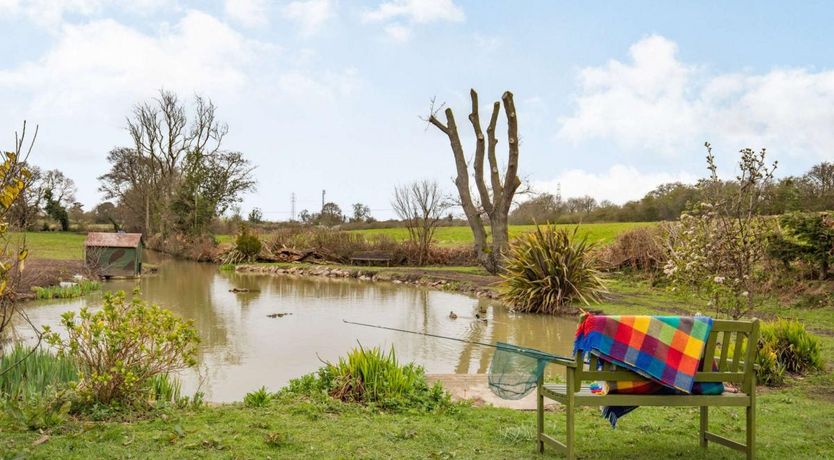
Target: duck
{"x": 480, "y": 318}
{"x": 452, "y": 315}
{"x": 482, "y": 310}
{"x": 277, "y": 315}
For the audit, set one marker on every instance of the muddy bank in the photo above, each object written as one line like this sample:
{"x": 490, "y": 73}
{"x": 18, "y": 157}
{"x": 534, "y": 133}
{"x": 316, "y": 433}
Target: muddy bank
{"x": 47, "y": 272}
{"x": 477, "y": 285}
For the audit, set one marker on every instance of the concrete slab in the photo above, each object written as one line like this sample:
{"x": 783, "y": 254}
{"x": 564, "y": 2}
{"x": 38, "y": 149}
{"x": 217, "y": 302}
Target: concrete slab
{"x": 475, "y": 388}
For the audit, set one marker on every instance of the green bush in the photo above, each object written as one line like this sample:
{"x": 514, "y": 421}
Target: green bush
{"x": 248, "y": 245}
{"x": 769, "y": 370}
{"x": 807, "y": 236}
{"x": 123, "y": 346}
{"x": 797, "y": 349}
{"x": 549, "y": 268}
{"x": 373, "y": 377}
{"x": 258, "y": 398}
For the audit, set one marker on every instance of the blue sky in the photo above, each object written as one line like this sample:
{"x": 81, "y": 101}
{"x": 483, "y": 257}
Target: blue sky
{"x": 613, "y": 98}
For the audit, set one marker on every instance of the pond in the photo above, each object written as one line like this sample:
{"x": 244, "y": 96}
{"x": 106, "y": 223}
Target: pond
{"x": 243, "y": 349}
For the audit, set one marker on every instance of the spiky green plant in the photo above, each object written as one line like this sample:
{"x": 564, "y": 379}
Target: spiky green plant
{"x": 26, "y": 372}
{"x": 796, "y": 349}
{"x": 372, "y": 376}
{"x": 550, "y": 268}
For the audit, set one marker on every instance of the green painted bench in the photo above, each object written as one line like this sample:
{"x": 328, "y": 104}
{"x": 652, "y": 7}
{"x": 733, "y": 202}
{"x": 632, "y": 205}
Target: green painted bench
{"x": 726, "y": 344}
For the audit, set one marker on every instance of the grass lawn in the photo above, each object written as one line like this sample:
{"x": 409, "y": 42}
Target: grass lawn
{"x": 790, "y": 425}
{"x": 460, "y": 236}
{"x": 51, "y": 245}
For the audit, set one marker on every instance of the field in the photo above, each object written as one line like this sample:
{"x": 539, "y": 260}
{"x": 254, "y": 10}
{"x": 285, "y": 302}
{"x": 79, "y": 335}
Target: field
{"x": 462, "y": 235}
{"x": 51, "y": 245}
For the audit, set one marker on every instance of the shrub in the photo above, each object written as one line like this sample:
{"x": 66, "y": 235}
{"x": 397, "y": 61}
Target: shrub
{"x": 123, "y": 346}
{"x": 248, "y": 245}
{"x": 796, "y": 349}
{"x": 548, "y": 269}
{"x": 808, "y": 237}
{"x": 371, "y": 376}
{"x": 258, "y": 398}
{"x": 638, "y": 249}
{"x": 769, "y": 371}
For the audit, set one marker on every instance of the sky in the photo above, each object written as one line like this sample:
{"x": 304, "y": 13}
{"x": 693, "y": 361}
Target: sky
{"x": 613, "y": 98}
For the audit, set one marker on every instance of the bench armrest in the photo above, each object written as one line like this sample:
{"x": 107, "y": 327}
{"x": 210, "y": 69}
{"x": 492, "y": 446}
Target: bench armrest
{"x": 562, "y": 361}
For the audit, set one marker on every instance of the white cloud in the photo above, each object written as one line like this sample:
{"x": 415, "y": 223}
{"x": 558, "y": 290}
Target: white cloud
{"x": 400, "y": 15}
{"x": 250, "y": 13}
{"x": 311, "y": 15}
{"x": 657, "y": 104}
{"x": 419, "y": 11}
{"x": 619, "y": 184}
{"x": 107, "y": 58}
{"x": 398, "y": 32}
{"x": 49, "y": 13}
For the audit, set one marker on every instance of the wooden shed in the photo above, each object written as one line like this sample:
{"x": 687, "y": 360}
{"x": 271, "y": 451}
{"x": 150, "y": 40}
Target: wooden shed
{"x": 114, "y": 254}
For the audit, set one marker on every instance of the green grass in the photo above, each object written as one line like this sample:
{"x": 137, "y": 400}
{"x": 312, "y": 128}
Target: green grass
{"x": 790, "y": 425}
{"x": 460, "y": 236}
{"x": 51, "y": 245}
{"x": 81, "y": 288}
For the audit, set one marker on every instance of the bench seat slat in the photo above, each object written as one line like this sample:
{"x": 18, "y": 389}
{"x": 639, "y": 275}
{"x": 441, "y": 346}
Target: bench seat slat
{"x": 584, "y": 397}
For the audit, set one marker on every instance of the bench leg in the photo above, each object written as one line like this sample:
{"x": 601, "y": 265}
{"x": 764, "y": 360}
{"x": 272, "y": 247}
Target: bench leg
{"x": 539, "y": 416}
{"x": 704, "y": 425}
{"x": 570, "y": 452}
{"x": 751, "y": 431}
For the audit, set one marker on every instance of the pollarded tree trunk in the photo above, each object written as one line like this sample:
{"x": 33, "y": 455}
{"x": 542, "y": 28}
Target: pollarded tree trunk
{"x": 495, "y": 200}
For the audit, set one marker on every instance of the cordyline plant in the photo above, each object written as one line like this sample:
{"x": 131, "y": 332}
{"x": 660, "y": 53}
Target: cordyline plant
{"x": 121, "y": 347}
{"x": 718, "y": 246}
{"x": 549, "y": 268}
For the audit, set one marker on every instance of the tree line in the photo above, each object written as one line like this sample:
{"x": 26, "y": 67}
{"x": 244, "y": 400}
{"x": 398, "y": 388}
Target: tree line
{"x": 811, "y": 191}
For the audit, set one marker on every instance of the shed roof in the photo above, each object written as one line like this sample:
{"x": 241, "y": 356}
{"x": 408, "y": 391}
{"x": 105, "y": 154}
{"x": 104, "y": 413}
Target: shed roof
{"x": 113, "y": 240}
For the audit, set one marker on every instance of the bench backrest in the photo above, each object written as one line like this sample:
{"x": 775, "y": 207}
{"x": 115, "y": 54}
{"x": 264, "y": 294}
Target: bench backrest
{"x": 731, "y": 346}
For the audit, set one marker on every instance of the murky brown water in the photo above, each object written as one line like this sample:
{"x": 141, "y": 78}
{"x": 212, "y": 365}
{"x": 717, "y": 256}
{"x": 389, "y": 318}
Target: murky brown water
{"x": 243, "y": 349}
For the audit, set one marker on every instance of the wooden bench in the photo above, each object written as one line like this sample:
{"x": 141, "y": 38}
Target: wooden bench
{"x": 727, "y": 342}
{"x": 372, "y": 258}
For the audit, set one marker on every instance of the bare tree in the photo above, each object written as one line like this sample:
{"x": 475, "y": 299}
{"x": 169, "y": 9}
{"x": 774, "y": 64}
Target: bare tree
{"x": 170, "y": 143}
{"x": 420, "y": 205}
{"x": 495, "y": 200}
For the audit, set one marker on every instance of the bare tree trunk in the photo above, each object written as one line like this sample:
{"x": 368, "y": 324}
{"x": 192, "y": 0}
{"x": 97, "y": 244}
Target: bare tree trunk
{"x": 497, "y": 206}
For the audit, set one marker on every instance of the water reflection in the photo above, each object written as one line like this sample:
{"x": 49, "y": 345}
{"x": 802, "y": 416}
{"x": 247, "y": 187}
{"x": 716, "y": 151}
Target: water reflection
{"x": 243, "y": 349}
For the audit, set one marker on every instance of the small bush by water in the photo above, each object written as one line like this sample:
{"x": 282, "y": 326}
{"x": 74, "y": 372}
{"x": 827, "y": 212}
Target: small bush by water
{"x": 79, "y": 289}
{"x": 123, "y": 347}
{"x": 374, "y": 377}
{"x": 549, "y": 268}
{"x": 786, "y": 347}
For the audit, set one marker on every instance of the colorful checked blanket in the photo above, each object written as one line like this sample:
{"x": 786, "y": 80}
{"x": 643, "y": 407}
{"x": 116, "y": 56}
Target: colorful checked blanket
{"x": 665, "y": 349}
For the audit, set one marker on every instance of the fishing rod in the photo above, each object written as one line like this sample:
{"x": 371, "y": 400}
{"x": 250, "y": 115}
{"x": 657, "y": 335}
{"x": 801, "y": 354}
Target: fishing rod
{"x": 528, "y": 351}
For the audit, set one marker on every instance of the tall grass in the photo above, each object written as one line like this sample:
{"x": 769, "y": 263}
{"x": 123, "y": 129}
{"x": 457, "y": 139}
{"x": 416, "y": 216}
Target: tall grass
{"x": 79, "y": 289}
{"x": 372, "y": 376}
{"x": 35, "y": 374}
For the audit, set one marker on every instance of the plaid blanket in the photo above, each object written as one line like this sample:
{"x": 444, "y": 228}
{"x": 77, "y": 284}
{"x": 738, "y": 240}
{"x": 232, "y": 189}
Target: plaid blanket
{"x": 666, "y": 349}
